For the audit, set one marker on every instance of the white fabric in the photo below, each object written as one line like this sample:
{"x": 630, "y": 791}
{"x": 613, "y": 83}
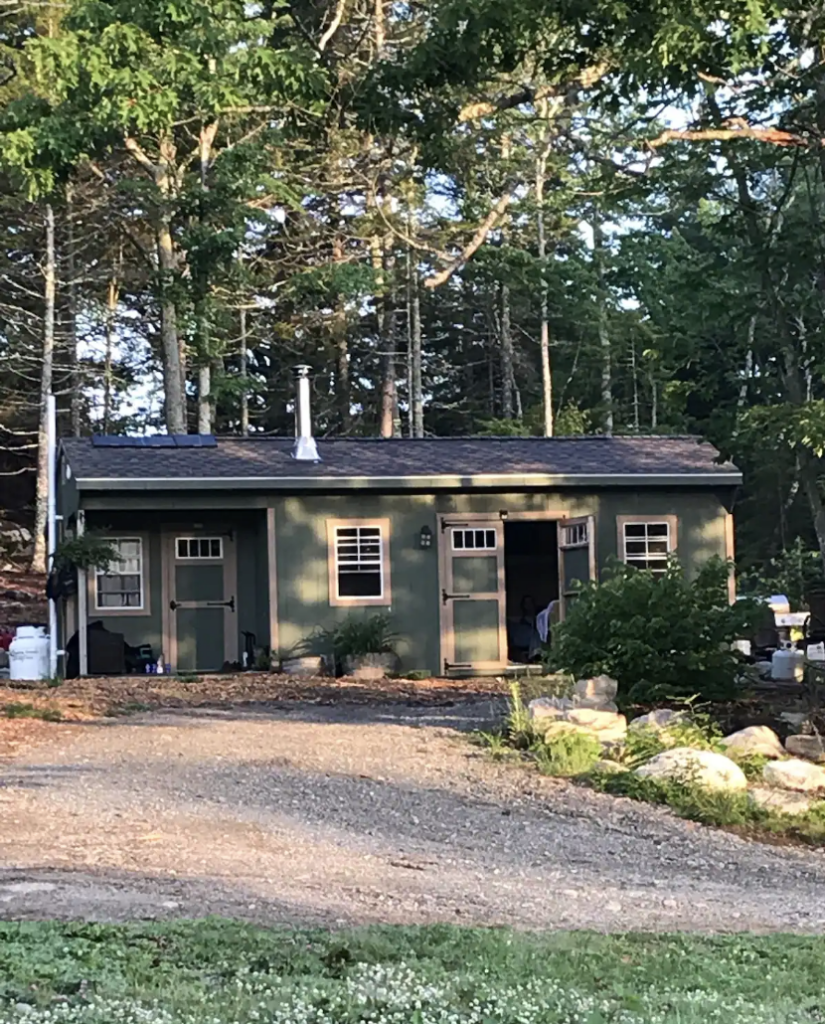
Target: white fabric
{"x": 543, "y": 621}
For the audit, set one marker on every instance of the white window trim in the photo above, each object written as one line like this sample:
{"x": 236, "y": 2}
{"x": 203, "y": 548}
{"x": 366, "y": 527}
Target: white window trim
{"x": 198, "y": 558}
{"x": 455, "y": 530}
{"x": 144, "y": 607}
{"x": 669, "y": 520}
{"x": 335, "y": 599}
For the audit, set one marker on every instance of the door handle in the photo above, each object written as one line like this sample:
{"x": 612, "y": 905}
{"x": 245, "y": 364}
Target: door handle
{"x": 445, "y": 597}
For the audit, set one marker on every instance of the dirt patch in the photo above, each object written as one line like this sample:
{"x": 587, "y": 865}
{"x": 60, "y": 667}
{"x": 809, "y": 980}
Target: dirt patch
{"x": 84, "y": 699}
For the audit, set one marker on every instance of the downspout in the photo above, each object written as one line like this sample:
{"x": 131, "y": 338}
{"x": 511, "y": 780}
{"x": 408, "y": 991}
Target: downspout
{"x": 51, "y": 524}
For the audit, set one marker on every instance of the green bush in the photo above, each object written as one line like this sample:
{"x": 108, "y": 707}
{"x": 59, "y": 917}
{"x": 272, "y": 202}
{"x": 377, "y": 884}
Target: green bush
{"x": 567, "y": 754}
{"x": 354, "y": 637}
{"x": 660, "y": 636}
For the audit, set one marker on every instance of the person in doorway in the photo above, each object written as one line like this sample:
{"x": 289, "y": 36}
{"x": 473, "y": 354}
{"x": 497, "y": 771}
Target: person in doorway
{"x": 524, "y": 637}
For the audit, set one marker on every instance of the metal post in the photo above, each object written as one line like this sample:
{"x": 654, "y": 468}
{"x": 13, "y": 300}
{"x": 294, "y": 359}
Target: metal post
{"x": 51, "y": 522}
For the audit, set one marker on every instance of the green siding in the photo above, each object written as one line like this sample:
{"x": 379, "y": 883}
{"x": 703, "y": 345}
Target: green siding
{"x": 301, "y": 539}
{"x": 301, "y": 550}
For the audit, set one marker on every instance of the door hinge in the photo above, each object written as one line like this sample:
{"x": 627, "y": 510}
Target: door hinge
{"x": 222, "y": 604}
{"x": 445, "y": 597}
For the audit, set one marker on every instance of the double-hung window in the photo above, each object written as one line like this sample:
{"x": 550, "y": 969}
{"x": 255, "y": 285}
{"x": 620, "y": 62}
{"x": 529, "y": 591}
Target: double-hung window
{"x": 647, "y": 541}
{"x": 359, "y": 570}
{"x": 120, "y": 586}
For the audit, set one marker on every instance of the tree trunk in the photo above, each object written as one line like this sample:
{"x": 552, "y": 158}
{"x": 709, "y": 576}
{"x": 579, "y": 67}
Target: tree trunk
{"x": 389, "y": 393}
{"x": 604, "y": 332}
{"x": 42, "y": 495}
{"x": 173, "y": 370}
{"x": 204, "y": 397}
{"x": 544, "y": 340}
{"x": 416, "y": 395}
{"x": 111, "y": 310}
{"x": 244, "y": 375}
{"x": 71, "y": 274}
{"x": 343, "y": 395}
{"x": 507, "y": 374}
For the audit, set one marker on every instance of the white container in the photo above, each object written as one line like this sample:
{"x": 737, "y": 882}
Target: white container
{"x": 29, "y": 654}
{"x": 743, "y": 646}
{"x": 815, "y": 652}
{"x": 787, "y": 665}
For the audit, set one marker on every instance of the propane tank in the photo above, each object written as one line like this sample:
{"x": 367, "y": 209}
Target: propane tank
{"x": 788, "y": 664}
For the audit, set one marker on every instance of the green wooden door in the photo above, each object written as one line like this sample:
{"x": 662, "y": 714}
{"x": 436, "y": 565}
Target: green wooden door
{"x": 202, "y": 602}
{"x": 473, "y": 595}
{"x": 577, "y": 557}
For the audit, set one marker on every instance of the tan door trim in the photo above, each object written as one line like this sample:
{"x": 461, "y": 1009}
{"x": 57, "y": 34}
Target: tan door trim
{"x": 272, "y": 583}
{"x": 590, "y": 544}
{"x": 447, "y": 637}
{"x": 230, "y": 580}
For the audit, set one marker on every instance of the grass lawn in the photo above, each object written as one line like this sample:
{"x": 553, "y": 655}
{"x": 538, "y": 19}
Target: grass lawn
{"x": 213, "y": 972}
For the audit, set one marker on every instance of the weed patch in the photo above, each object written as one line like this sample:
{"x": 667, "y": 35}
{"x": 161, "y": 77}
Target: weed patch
{"x": 16, "y": 709}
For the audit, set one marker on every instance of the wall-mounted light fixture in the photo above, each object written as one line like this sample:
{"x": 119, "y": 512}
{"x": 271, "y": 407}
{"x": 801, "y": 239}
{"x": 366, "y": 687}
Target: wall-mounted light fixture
{"x": 502, "y": 512}
{"x": 425, "y": 537}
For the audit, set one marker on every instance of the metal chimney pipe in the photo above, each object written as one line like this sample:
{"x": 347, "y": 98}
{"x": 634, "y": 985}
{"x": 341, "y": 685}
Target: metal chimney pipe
{"x": 304, "y": 449}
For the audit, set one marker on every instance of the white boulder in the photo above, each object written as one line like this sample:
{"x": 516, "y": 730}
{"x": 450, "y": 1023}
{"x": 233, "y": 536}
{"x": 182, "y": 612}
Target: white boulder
{"x": 811, "y": 748}
{"x": 598, "y": 690}
{"x": 548, "y": 707}
{"x": 658, "y": 720}
{"x": 801, "y": 776}
{"x": 755, "y": 739}
{"x": 700, "y": 767}
{"x": 781, "y": 800}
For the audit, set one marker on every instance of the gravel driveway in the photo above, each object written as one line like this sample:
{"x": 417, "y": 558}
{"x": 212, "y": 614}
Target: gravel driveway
{"x": 344, "y": 815}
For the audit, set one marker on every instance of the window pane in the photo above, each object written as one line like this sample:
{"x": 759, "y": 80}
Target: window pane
{"x": 182, "y": 549}
{"x": 215, "y": 547}
{"x": 491, "y": 538}
{"x": 359, "y": 584}
{"x": 635, "y": 547}
{"x": 635, "y": 530}
{"x": 458, "y": 540}
{"x": 657, "y": 529}
{"x": 469, "y": 539}
{"x": 657, "y": 547}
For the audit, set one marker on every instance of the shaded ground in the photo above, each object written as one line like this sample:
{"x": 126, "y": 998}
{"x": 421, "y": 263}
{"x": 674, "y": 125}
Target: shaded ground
{"x": 353, "y": 814}
{"x": 84, "y": 699}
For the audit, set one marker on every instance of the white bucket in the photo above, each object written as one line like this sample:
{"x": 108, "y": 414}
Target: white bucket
{"x": 29, "y": 654}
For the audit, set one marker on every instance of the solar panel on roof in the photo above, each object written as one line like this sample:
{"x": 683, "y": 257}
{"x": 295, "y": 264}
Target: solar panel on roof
{"x": 194, "y": 441}
{"x": 155, "y": 441}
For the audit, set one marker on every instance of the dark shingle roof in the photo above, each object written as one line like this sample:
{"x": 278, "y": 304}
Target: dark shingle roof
{"x": 373, "y": 462}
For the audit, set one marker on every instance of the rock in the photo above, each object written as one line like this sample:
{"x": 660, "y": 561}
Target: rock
{"x": 801, "y": 776}
{"x": 548, "y": 707}
{"x": 370, "y": 666}
{"x": 755, "y": 739}
{"x": 608, "y": 727}
{"x": 608, "y": 767}
{"x": 599, "y": 690}
{"x": 658, "y": 720}
{"x": 796, "y": 719}
{"x": 780, "y": 800}
{"x": 811, "y": 748}
{"x": 595, "y": 703}
{"x": 303, "y": 667}
{"x": 701, "y": 767}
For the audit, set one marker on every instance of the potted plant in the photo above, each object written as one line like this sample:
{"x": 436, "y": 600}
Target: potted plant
{"x": 90, "y": 551}
{"x": 364, "y": 646}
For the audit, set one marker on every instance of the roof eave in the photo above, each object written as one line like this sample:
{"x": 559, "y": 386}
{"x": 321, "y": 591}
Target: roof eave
{"x": 479, "y": 482}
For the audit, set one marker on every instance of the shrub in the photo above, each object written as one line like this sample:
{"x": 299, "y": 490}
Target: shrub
{"x": 356, "y": 636}
{"x": 659, "y": 636}
{"x": 568, "y": 753}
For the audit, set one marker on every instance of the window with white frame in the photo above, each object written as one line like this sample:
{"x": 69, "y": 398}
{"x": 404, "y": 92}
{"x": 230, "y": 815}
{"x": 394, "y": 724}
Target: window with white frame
{"x": 120, "y": 585}
{"x": 359, "y": 562}
{"x": 473, "y": 539}
{"x": 191, "y": 548}
{"x": 647, "y": 544}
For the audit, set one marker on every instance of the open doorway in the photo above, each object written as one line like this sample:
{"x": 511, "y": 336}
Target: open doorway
{"x": 531, "y": 568}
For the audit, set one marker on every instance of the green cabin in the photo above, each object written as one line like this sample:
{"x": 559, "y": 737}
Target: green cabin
{"x": 221, "y": 538}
